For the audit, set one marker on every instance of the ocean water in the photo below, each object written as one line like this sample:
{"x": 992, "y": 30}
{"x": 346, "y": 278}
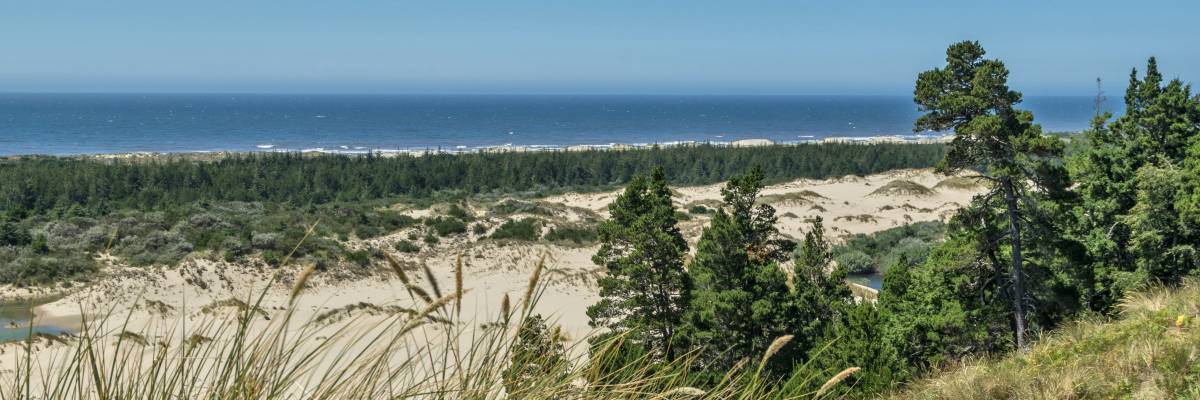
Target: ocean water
{"x": 115, "y": 123}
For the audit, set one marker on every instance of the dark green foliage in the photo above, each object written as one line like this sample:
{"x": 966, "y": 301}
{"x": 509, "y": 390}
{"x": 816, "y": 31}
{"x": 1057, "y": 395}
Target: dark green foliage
{"x": 446, "y": 226}
{"x": 571, "y": 233}
{"x": 526, "y": 229}
{"x": 698, "y": 209}
{"x": 479, "y": 228}
{"x": 1136, "y": 183}
{"x": 457, "y": 211}
{"x": 971, "y": 97}
{"x": 946, "y": 307}
{"x": 12, "y": 234}
{"x": 361, "y": 257}
{"x": 39, "y": 245}
{"x": 406, "y": 246}
{"x": 742, "y": 302}
{"x": 37, "y": 185}
{"x": 857, "y": 340}
{"x": 646, "y": 290}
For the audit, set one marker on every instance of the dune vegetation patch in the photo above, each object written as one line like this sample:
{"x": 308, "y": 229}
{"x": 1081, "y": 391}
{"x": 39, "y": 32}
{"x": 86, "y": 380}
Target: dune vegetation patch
{"x": 902, "y": 187}
{"x": 962, "y": 183}
{"x": 792, "y": 198}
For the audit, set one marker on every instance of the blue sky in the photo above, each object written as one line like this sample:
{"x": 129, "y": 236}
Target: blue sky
{"x": 611, "y": 46}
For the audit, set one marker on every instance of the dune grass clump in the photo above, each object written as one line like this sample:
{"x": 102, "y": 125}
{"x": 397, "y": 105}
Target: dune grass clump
{"x": 792, "y": 198}
{"x": 901, "y": 187}
{"x": 525, "y": 229}
{"x": 961, "y": 183}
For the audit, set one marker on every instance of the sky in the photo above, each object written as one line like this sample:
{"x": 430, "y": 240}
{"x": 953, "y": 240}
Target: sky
{"x": 579, "y": 47}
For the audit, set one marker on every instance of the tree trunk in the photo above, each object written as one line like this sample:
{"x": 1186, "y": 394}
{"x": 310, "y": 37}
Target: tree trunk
{"x": 1014, "y": 225}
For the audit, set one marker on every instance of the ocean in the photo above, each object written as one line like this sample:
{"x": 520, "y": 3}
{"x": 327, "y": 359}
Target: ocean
{"x": 64, "y": 124}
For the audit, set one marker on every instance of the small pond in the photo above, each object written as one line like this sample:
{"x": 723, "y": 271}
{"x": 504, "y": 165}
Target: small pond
{"x": 872, "y": 280}
{"x": 15, "y": 317}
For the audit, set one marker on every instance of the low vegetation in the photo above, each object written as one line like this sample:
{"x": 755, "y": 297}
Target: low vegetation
{"x": 875, "y": 252}
{"x": 901, "y": 187}
{"x": 1148, "y": 351}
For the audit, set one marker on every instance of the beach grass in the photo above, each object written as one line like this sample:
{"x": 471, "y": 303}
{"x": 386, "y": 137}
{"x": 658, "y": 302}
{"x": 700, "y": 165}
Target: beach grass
{"x": 428, "y": 351}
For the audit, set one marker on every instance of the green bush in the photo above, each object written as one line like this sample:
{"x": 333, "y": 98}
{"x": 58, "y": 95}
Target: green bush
{"x": 479, "y": 229}
{"x": 856, "y": 262}
{"x": 527, "y": 229}
{"x": 24, "y": 267}
{"x": 445, "y": 226}
{"x": 461, "y": 213}
{"x": 698, "y": 209}
{"x": 430, "y": 239}
{"x": 577, "y": 234}
{"x": 405, "y": 246}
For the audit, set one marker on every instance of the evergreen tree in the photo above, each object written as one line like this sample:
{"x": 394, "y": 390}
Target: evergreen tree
{"x": 742, "y": 301}
{"x": 1132, "y": 179}
{"x": 646, "y": 290}
{"x": 971, "y": 97}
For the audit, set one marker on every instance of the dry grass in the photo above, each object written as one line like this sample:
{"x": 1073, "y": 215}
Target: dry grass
{"x": 427, "y": 352}
{"x": 901, "y": 187}
{"x": 1151, "y": 351}
{"x": 961, "y": 183}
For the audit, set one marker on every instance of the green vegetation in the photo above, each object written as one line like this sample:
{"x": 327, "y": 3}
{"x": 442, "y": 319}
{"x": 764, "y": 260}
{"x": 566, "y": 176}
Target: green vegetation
{"x": 406, "y": 246}
{"x": 524, "y": 229}
{"x": 646, "y": 292}
{"x": 446, "y": 226}
{"x": 901, "y": 187}
{"x": 885, "y": 248}
{"x": 576, "y": 234}
{"x": 40, "y": 185}
{"x": 1148, "y": 352}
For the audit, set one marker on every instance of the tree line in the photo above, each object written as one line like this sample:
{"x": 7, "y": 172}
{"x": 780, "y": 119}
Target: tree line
{"x": 39, "y": 185}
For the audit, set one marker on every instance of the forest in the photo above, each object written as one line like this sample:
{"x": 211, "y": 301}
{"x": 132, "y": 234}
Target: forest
{"x": 1053, "y": 239}
{"x": 56, "y": 211}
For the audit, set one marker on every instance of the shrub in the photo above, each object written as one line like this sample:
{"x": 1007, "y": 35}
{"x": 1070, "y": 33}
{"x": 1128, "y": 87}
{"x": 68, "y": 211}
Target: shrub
{"x": 161, "y": 247}
{"x": 430, "y": 239}
{"x": 698, "y": 209}
{"x": 856, "y": 262}
{"x": 13, "y": 235}
{"x": 405, "y": 246}
{"x": 23, "y": 267}
{"x": 461, "y": 213}
{"x": 526, "y": 229}
{"x": 479, "y": 229}
{"x": 577, "y": 234}
{"x": 509, "y": 207}
{"x": 446, "y": 226}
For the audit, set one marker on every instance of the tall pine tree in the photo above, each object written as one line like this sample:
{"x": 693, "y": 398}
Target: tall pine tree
{"x": 970, "y": 96}
{"x": 646, "y": 290}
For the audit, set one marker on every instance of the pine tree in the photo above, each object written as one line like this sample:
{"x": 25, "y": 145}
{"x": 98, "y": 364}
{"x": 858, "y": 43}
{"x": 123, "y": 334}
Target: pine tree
{"x": 646, "y": 290}
{"x": 971, "y": 97}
